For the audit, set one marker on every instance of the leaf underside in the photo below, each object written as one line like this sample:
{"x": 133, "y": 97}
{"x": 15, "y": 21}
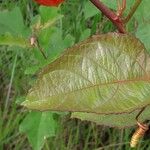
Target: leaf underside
{"x": 114, "y": 120}
{"x": 106, "y": 74}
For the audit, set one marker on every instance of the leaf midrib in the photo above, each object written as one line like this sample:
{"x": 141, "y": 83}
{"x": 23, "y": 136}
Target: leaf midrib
{"x": 104, "y": 84}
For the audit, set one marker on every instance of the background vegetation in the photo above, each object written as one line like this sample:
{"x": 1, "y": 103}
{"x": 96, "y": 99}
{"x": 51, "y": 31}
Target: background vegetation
{"x": 56, "y": 29}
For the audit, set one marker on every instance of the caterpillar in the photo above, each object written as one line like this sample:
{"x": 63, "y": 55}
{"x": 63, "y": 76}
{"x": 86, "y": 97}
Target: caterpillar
{"x": 139, "y": 133}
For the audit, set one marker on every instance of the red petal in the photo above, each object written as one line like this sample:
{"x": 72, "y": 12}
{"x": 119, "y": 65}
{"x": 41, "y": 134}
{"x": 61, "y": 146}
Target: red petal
{"x": 49, "y": 2}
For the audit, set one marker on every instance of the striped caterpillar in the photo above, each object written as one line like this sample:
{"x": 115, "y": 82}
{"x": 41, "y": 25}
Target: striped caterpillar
{"x": 140, "y": 132}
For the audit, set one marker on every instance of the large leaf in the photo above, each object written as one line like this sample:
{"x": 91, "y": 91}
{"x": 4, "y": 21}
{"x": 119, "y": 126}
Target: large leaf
{"x": 107, "y": 73}
{"x": 114, "y": 120}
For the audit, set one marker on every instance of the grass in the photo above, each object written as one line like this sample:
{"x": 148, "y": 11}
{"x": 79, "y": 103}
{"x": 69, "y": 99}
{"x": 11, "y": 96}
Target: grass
{"x": 72, "y": 134}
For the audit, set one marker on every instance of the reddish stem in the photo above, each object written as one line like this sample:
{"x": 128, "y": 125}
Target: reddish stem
{"x": 116, "y": 20}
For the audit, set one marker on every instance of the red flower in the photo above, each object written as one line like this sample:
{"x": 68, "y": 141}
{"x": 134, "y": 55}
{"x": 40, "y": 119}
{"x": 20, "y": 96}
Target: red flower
{"x": 49, "y": 2}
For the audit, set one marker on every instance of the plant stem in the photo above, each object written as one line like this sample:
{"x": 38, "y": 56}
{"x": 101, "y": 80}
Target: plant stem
{"x": 116, "y": 20}
{"x": 10, "y": 86}
{"x": 132, "y": 11}
{"x": 112, "y": 145}
{"x": 35, "y": 42}
{"x": 41, "y": 50}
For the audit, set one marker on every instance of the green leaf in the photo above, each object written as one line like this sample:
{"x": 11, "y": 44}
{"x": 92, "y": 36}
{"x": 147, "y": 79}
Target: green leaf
{"x": 107, "y": 73}
{"x": 143, "y": 18}
{"x": 111, "y": 4}
{"x": 89, "y": 6}
{"x": 85, "y": 34}
{"x": 31, "y": 70}
{"x": 114, "y": 120}
{"x": 12, "y": 22}
{"x": 53, "y": 42}
{"x": 114, "y": 5}
{"x": 10, "y": 40}
{"x": 142, "y": 12}
{"x": 38, "y": 126}
{"x": 48, "y": 13}
{"x": 46, "y": 19}
{"x": 143, "y": 33}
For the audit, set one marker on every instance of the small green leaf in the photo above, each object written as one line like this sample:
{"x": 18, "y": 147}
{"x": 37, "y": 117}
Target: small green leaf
{"x": 106, "y": 74}
{"x": 38, "y": 126}
{"x": 12, "y": 22}
{"x": 89, "y": 6}
{"x": 10, "y": 40}
{"x": 53, "y": 42}
{"x": 48, "y": 13}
